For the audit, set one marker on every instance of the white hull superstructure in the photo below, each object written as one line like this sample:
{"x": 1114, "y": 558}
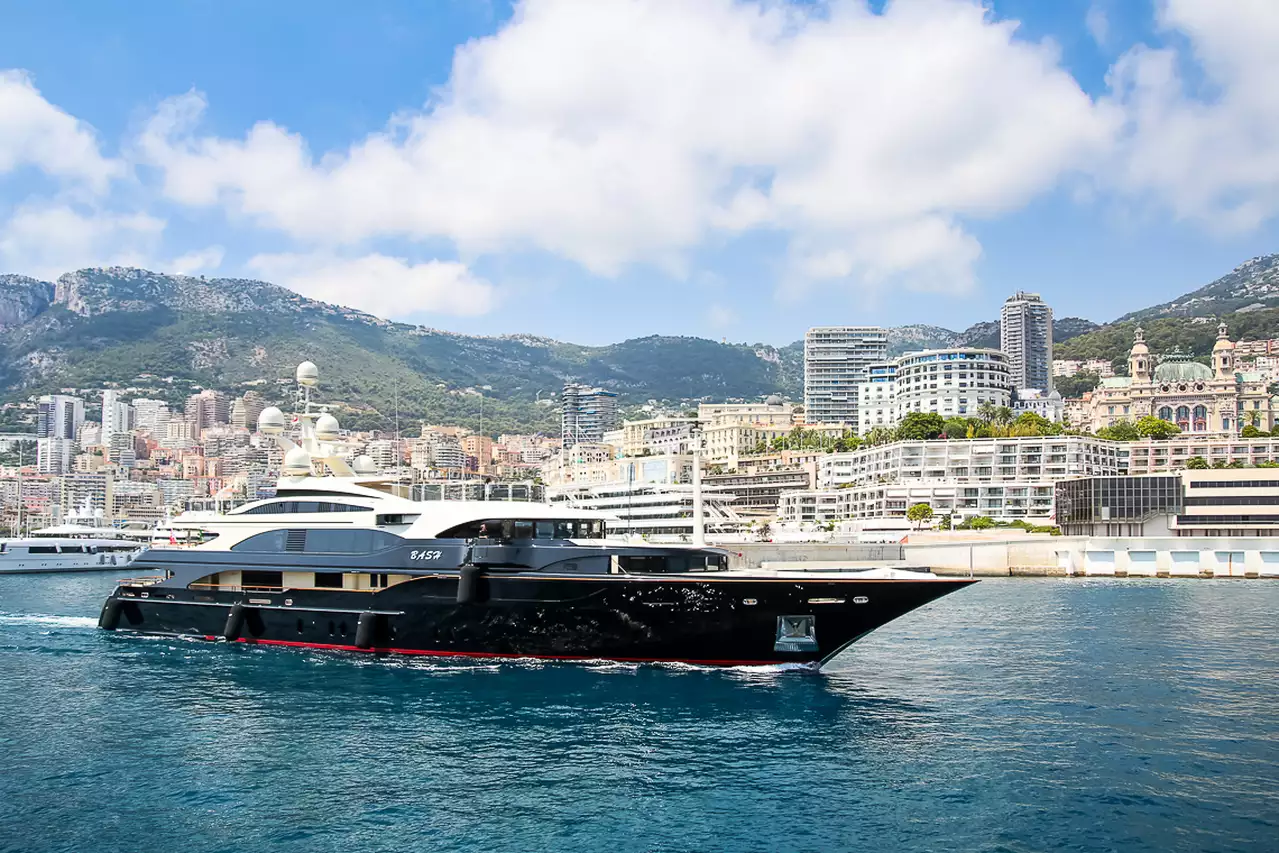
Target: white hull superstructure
{"x": 57, "y": 554}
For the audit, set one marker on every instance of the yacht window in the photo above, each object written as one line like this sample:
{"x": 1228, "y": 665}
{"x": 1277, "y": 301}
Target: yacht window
{"x": 678, "y": 563}
{"x": 262, "y": 580}
{"x": 287, "y": 507}
{"x": 328, "y": 580}
{"x": 319, "y": 541}
{"x": 43, "y": 549}
{"x": 493, "y": 528}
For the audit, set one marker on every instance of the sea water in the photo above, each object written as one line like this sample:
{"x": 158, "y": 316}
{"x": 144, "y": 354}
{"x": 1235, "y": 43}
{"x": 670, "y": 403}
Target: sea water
{"x": 1017, "y": 715}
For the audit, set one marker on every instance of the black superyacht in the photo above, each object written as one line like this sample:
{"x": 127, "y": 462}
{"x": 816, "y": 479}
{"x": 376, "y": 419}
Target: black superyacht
{"x": 340, "y": 559}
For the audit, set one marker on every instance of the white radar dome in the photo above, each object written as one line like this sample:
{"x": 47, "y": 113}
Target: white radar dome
{"x": 308, "y": 374}
{"x": 326, "y": 427}
{"x": 271, "y": 421}
{"x": 364, "y": 465}
{"x": 297, "y": 463}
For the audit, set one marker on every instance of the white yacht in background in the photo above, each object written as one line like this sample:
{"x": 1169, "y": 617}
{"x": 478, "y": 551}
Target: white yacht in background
{"x": 66, "y": 554}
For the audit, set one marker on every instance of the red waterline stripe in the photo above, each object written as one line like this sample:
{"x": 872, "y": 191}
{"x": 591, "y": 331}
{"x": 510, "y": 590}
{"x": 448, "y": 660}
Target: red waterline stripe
{"x": 452, "y": 654}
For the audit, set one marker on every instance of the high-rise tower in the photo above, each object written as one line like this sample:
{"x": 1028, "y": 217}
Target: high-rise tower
{"x": 837, "y": 360}
{"x": 1026, "y": 335}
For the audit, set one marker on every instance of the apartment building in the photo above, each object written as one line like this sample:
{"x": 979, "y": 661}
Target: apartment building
{"x": 837, "y": 360}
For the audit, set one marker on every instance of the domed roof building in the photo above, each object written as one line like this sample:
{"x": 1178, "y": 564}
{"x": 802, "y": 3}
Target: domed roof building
{"x": 1194, "y": 396}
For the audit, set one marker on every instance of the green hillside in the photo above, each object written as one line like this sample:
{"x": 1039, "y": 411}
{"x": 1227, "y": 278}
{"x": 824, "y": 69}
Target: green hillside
{"x": 167, "y": 335}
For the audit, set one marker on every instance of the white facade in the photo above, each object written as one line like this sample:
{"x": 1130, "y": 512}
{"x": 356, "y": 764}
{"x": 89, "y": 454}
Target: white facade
{"x": 836, "y": 361}
{"x": 59, "y": 416}
{"x": 948, "y": 382}
{"x": 1027, "y": 500}
{"x": 974, "y": 460}
{"x": 1026, "y": 335}
{"x": 152, "y": 416}
{"x": 1049, "y": 406}
{"x": 1004, "y": 478}
{"x": 53, "y": 455}
{"x": 117, "y": 415}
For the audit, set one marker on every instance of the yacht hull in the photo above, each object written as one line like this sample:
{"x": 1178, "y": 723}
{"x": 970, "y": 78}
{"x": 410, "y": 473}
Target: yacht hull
{"x": 719, "y": 621}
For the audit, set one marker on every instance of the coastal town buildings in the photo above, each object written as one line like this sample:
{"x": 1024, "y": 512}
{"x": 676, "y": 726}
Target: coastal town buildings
{"x": 1198, "y": 398}
{"x": 948, "y": 382}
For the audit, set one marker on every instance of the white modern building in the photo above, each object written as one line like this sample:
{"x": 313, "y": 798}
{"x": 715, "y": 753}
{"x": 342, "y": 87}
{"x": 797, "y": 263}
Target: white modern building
{"x": 1003, "y": 478}
{"x": 948, "y": 382}
{"x": 151, "y": 416}
{"x": 1026, "y": 335}
{"x": 836, "y": 361}
{"x": 59, "y": 416}
{"x": 587, "y": 413}
{"x": 54, "y": 455}
{"x": 1048, "y": 406}
{"x": 117, "y": 415}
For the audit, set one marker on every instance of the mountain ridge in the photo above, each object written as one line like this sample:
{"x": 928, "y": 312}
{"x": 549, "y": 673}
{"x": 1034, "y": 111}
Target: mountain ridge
{"x": 113, "y": 326}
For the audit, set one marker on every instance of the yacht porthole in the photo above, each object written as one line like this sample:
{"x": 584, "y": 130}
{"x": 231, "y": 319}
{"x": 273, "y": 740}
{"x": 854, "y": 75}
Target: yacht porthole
{"x": 750, "y": 601}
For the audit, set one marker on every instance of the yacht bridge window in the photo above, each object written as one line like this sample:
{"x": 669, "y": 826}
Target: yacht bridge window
{"x": 509, "y": 528}
{"x": 289, "y": 507}
{"x": 319, "y": 541}
{"x": 667, "y": 563}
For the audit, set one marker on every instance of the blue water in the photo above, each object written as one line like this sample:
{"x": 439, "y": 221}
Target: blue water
{"x": 1013, "y": 716}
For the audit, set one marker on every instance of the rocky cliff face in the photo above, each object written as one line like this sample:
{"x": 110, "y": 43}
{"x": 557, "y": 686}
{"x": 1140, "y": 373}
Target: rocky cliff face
{"x": 22, "y": 299}
{"x": 91, "y": 292}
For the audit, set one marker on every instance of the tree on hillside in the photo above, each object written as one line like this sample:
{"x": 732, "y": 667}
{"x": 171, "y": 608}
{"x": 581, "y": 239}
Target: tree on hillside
{"x": 1077, "y": 385}
{"x": 920, "y": 426}
{"x": 919, "y": 513}
{"x": 1157, "y": 428}
{"x": 1196, "y": 463}
{"x": 1119, "y": 431}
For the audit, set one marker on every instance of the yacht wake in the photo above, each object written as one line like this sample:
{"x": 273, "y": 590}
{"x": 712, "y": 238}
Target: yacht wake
{"x": 48, "y": 621}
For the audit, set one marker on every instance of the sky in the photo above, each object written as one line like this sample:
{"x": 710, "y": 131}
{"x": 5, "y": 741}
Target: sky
{"x": 595, "y": 171}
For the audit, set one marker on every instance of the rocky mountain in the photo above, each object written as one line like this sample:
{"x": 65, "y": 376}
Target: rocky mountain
{"x": 1251, "y": 286}
{"x": 21, "y": 299}
{"x": 166, "y": 335}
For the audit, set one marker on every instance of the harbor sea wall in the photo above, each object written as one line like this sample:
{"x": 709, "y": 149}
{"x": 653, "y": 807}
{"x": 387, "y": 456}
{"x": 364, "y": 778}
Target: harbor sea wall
{"x": 1034, "y": 556}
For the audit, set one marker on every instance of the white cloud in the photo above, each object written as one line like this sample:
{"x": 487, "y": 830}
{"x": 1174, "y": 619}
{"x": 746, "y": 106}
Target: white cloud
{"x": 203, "y": 260}
{"x": 380, "y": 285}
{"x": 1208, "y": 150}
{"x": 1098, "y": 24}
{"x": 50, "y": 240}
{"x": 33, "y": 132}
{"x": 617, "y": 132}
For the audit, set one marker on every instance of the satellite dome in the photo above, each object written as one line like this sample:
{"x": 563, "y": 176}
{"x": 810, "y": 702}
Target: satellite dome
{"x": 308, "y": 374}
{"x": 297, "y": 463}
{"x": 326, "y": 427}
{"x": 271, "y": 421}
{"x": 773, "y": 400}
{"x": 364, "y": 465}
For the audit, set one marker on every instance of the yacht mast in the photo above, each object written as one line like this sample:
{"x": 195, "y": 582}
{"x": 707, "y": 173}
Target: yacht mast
{"x": 699, "y": 521}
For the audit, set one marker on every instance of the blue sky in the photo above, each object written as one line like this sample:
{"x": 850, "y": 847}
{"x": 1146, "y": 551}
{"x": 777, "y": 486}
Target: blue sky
{"x": 599, "y": 171}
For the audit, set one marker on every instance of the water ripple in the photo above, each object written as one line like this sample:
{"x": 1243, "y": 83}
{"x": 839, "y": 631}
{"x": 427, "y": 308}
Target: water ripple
{"x": 1015, "y": 716}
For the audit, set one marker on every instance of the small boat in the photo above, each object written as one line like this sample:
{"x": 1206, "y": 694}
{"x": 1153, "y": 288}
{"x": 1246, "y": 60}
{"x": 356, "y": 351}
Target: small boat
{"x": 341, "y": 558}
